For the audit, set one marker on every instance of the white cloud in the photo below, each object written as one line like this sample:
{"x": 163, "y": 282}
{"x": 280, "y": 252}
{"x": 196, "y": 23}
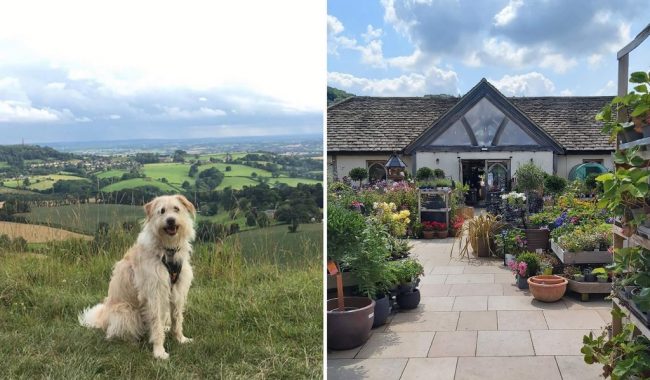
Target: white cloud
{"x": 334, "y": 26}
{"x": 197, "y": 53}
{"x": 203, "y": 112}
{"x": 530, "y": 84}
{"x": 203, "y": 99}
{"x": 371, "y": 33}
{"x": 55, "y": 86}
{"x": 594, "y": 60}
{"x": 608, "y": 89}
{"x": 13, "y": 111}
{"x": 434, "y": 81}
{"x": 566, "y": 92}
{"x": 557, "y": 62}
{"x": 114, "y": 117}
{"x": 508, "y": 13}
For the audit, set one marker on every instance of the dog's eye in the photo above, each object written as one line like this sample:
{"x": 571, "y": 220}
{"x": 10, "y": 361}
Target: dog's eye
{"x": 177, "y": 209}
{"x": 162, "y": 210}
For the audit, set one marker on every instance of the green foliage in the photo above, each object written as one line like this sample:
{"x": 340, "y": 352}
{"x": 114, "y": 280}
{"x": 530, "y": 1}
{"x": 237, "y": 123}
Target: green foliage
{"x": 624, "y": 190}
{"x": 532, "y": 261}
{"x": 344, "y": 227}
{"x": 424, "y": 174}
{"x": 369, "y": 263}
{"x": 554, "y": 185}
{"x": 439, "y": 173}
{"x": 293, "y": 227}
{"x": 263, "y": 220}
{"x": 530, "y": 177}
{"x": 406, "y": 271}
{"x": 359, "y": 174}
{"x": 624, "y": 356}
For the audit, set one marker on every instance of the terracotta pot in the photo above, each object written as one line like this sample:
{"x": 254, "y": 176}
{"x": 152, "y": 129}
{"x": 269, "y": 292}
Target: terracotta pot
{"x": 350, "y": 328}
{"x": 547, "y": 288}
{"x": 427, "y": 234}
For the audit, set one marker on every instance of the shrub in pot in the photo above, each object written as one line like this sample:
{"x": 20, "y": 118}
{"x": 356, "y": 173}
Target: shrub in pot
{"x": 407, "y": 273}
{"x": 481, "y": 231}
{"x": 525, "y": 265}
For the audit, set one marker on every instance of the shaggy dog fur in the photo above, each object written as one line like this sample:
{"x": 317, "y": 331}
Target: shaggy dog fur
{"x": 141, "y": 295}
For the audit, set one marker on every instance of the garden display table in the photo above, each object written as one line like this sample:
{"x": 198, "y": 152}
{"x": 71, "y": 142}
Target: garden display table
{"x": 434, "y": 204}
{"x": 584, "y": 257}
{"x": 587, "y": 288}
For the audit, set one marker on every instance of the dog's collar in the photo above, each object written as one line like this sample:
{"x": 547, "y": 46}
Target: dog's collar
{"x": 173, "y": 268}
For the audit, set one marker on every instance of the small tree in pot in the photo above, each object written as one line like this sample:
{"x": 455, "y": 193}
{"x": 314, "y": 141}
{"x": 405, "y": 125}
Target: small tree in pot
{"x": 407, "y": 273}
{"x": 359, "y": 174}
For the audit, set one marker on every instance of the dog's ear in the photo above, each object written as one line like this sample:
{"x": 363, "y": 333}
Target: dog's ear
{"x": 148, "y": 208}
{"x": 188, "y": 205}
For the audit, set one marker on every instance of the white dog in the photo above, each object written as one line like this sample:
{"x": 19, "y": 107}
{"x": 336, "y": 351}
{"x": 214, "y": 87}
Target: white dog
{"x": 151, "y": 281}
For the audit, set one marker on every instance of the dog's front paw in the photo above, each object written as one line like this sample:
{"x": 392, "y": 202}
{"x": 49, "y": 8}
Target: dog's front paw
{"x": 159, "y": 353}
{"x": 184, "y": 339}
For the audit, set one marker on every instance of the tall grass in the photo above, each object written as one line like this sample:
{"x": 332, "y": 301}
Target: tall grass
{"x": 251, "y": 315}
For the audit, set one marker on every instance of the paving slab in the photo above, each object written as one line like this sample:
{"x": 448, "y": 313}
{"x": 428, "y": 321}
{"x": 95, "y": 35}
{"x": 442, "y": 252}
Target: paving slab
{"x": 507, "y": 368}
{"x": 430, "y": 369}
{"x": 573, "y": 319}
{"x": 433, "y": 304}
{"x": 456, "y": 269}
{"x": 396, "y": 345}
{"x": 521, "y": 320}
{"x": 353, "y": 369}
{"x": 504, "y": 343}
{"x": 476, "y": 290}
{"x": 575, "y": 368}
{"x": 424, "y": 321}
{"x": 504, "y": 278}
{"x": 453, "y": 343}
{"x": 343, "y": 354}
{"x": 493, "y": 269}
{"x": 470, "y": 279}
{"x": 511, "y": 289}
{"x": 433, "y": 279}
{"x": 521, "y": 303}
{"x": 477, "y": 320}
{"x": 557, "y": 342}
{"x": 434, "y": 290}
{"x": 470, "y": 303}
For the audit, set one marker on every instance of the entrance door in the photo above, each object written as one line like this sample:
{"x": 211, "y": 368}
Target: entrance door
{"x": 498, "y": 175}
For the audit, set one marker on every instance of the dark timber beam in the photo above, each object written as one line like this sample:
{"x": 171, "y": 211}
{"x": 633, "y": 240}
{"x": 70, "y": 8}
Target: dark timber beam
{"x": 469, "y": 131}
{"x": 500, "y": 129}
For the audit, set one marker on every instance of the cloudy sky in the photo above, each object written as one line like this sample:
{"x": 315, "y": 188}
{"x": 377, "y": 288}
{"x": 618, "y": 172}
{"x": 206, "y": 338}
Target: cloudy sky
{"x": 523, "y": 47}
{"x": 80, "y": 71}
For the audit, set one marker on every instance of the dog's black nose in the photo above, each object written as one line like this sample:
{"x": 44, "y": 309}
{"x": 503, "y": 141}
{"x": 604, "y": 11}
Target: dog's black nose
{"x": 171, "y": 221}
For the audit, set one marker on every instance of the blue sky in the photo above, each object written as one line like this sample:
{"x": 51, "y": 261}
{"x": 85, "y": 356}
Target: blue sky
{"x": 75, "y": 70}
{"x": 523, "y": 47}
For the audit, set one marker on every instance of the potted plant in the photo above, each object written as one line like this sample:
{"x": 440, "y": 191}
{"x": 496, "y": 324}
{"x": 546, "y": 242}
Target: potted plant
{"x": 480, "y": 231}
{"x": 428, "y": 230}
{"x": 623, "y": 356}
{"x": 634, "y": 106}
{"x": 349, "y": 319}
{"x": 440, "y": 230}
{"x": 456, "y": 224}
{"x": 525, "y": 265}
{"x": 547, "y": 288}
{"x": 407, "y": 274}
{"x": 578, "y": 277}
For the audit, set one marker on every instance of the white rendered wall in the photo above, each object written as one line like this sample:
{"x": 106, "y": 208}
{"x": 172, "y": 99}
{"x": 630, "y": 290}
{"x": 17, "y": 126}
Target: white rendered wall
{"x": 448, "y": 161}
{"x": 565, "y": 163}
{"x": 345, "y": 163}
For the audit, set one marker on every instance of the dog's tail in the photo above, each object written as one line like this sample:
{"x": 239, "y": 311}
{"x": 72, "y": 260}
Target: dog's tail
{"x": 94, "y": 317}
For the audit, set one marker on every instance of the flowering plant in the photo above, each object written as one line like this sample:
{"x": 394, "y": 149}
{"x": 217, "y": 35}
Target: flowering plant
{"x": 428, "y": 226}
{"x": 513, "y": 198}
{"x": 396, "y": 221}
{"x": 518, "y": 268}
{"x": 512, "y": 241}
{"x": 439, "y": 226}
{"x": 457, "y": 222}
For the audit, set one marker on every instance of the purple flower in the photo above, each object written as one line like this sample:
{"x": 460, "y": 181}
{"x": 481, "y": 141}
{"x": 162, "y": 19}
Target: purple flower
{"x": 610, "y": 220}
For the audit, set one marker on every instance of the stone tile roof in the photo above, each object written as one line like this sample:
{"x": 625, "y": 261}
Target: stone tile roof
{"x": 367, "y": 124}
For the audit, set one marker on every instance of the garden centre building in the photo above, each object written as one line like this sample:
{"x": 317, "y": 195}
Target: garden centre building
{"x": 482, "y": 136}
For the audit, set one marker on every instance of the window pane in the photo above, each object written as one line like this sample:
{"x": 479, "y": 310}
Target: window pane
{"x": 484, "y": 118}
{"x": 454, "y": 135}
{"x": 513, "y": 135}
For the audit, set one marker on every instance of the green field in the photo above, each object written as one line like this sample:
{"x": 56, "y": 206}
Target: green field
{"x": 176, "y": 173}
{"x": 111, "y": 173}
{"x": 279, "y": 241}
{"x": 236, "y": 183}
{"x": 236, "y": 170}
{"x": 139, "y": 182}
{"x": 10, "y": 190}
{"x": 42, "y": 182}
{"x": 250, "y": 317}
{"x": 4, "y": 164}
{"x": 222, "y": 156}
{"x": 293, "y": 181}
{"x": 84, "y": 217}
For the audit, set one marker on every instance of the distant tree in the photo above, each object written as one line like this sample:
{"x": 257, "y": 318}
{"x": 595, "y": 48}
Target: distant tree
{"x": 164, "y": 180}
{"x": 26, "y": 182}
{"x": 254, "y": 175}
{"x": 210, "y": 178}
{"x": 186, "y": 185}
{"x": 146, "y": 158}
{"x": 293, "y": 227}
{"x": 179, "y": 155}
{"x": 251, "y": 220}
{"x": 228, "y": 168}
{"x": 193, "y": 170}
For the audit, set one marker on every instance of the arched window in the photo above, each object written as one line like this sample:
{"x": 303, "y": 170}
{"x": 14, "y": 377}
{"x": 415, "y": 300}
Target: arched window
{"x": 376, "y": 171}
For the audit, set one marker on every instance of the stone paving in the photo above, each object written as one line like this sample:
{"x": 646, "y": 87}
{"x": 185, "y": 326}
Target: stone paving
{"x": 474, "y": 323}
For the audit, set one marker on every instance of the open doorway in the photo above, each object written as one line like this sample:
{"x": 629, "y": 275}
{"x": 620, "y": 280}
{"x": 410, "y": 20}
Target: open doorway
{"x": 486, "y": 179}
{"x": 473, "y": 172}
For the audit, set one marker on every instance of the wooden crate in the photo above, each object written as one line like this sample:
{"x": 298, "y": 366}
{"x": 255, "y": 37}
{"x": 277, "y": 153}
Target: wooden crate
{"x": 593, "y": 257}
{"x": 587, "y": 288}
